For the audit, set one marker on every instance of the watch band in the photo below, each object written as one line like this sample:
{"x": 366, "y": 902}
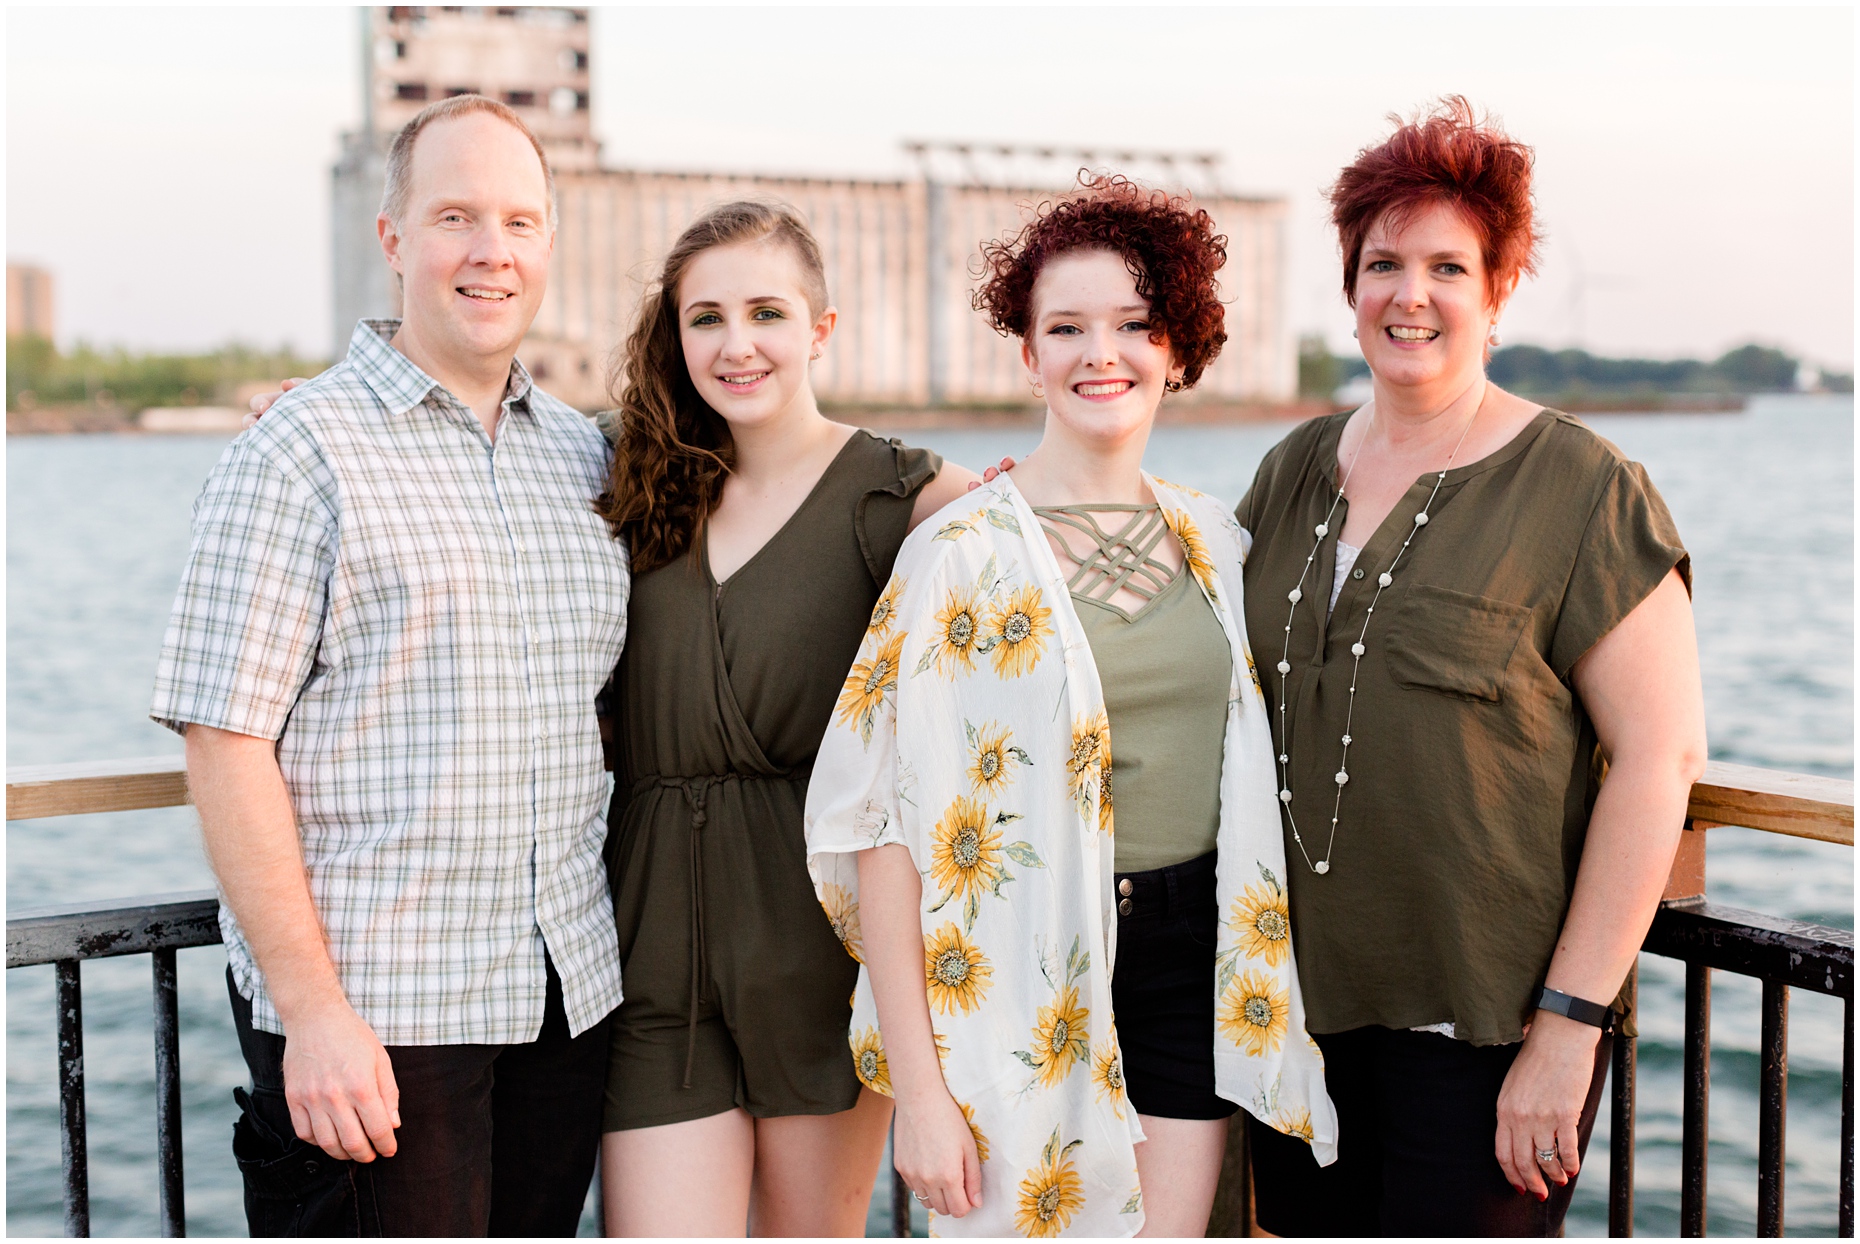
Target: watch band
{"x": 1581, "y": 1010}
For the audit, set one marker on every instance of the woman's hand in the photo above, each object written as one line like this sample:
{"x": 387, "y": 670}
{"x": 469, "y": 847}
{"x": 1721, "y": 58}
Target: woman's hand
{"x": 264, "y": 401}
{"x": 1540, "y": 1105}
{"x": 1007, "y": 464}
{"x": 933, "y": 1147}
{"x": 934, "y": 1151}
{"x": 1640, "y": 684}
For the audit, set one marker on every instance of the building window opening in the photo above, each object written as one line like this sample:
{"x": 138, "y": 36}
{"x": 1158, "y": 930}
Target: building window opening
{"x": 411, "y": 90}
{"x": 458, "y": 90}
{"x": 520, "y": 99}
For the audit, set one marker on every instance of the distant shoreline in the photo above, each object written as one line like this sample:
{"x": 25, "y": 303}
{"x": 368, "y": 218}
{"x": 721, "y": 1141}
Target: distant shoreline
{"x": 113, "y": 420}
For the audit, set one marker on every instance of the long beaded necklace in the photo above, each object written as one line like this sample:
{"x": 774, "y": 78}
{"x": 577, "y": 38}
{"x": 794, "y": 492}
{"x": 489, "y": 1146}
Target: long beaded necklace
{"x": 1357, "y": 649}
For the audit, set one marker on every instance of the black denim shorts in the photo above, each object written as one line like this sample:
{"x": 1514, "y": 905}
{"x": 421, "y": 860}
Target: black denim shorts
{"x": 1163, "y": 989}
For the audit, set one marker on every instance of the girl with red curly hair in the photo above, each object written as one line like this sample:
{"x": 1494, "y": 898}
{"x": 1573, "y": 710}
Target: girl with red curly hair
{"x": 1471, "y": 607}
{"x": 1070, "y": 630}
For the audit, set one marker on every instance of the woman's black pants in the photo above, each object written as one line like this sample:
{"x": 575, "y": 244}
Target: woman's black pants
{"x": 1417, "y": 1114}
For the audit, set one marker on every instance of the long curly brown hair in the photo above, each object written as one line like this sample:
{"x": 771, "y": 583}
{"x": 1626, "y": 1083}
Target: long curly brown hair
{"x": 1168, "y": 244}
{"x": 675, "y": 451}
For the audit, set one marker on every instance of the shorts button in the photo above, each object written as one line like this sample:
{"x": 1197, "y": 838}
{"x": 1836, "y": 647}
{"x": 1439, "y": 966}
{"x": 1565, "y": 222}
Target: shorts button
{"x": 1124, "y": 887}
{"x": 1123, "y": 906}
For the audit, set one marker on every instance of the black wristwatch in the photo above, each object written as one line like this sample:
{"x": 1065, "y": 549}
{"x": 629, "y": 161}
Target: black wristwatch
{"x": 1581, "y": 1010}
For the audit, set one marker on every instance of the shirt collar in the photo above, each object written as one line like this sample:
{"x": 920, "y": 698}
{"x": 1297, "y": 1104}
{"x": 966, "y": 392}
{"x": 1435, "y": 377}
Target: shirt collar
{"x": 399, "y": 382}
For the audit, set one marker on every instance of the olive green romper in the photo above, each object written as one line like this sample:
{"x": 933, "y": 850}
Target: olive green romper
{"x": 736, "y": 990}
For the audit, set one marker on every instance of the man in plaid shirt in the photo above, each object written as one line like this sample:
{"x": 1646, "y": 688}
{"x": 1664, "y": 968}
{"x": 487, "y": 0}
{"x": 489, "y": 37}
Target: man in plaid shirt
{"x": 397, "y": 611}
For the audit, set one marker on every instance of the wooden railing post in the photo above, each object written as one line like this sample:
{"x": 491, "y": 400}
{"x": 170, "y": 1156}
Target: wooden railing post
{"x": 1687, "y": 878}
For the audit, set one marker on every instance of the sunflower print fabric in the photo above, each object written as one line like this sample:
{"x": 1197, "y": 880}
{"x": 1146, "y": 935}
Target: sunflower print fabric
{"x": 972, "y": 731}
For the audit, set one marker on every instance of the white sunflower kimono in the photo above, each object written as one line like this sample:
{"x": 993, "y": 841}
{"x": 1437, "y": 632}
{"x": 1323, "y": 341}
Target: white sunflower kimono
{"x": 972, "y": 730}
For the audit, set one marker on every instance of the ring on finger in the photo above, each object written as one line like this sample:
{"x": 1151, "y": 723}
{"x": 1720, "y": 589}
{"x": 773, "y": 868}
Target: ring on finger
{"x": 922, "y": 1197}
{"x": 1547, "y": 1155}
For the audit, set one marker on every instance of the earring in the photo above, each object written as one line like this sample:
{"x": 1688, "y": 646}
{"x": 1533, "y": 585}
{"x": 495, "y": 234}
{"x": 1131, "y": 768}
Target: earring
{"x": 1352, "y": 332}
{"x": 1039, "y": 390}
{"x": 1492, "y": 338}
{"x": 1174, "y": 385}
{"x": 815, "y": 356}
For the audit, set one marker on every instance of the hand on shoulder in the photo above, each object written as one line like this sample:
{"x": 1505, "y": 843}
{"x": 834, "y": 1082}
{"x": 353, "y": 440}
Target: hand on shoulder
{"x": 265, "y": 401}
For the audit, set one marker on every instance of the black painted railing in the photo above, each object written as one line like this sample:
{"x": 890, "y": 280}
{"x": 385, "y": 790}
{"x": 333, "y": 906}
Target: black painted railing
{"x": 1782, "y": 954}
{"x": 64, "y": 937}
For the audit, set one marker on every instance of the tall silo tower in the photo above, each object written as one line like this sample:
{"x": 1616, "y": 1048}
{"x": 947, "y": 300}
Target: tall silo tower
{"x": 534, "y": 59}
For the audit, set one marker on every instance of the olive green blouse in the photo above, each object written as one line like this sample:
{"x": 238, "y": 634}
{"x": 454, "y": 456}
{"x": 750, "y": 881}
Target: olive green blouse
{"x": 1472, "y": 766}
{"x": 1165, "y": 671}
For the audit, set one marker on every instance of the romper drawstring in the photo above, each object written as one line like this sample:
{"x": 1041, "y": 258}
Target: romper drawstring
{"x": 696, "y": 791}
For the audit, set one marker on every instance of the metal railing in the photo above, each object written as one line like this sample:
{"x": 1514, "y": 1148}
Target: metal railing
{"x": 1783, "y": 954}
{"x": 64, "y": 937}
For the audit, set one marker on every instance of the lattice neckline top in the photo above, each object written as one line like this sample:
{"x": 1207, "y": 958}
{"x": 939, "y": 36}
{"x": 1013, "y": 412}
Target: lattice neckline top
{"x": 1116, "y": 561}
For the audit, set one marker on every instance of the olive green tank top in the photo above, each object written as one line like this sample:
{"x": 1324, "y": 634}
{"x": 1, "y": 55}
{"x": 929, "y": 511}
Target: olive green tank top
{"x": 1166, "y": 672}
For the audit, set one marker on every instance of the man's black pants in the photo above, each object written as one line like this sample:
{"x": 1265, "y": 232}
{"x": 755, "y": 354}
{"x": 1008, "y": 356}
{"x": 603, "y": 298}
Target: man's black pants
{"x": 494, "y": 1139}
{"x": 1417, "y": 1114}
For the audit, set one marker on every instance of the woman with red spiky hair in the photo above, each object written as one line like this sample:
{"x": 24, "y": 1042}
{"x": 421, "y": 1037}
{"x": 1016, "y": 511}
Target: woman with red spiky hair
{"x": 1469, "y": 608}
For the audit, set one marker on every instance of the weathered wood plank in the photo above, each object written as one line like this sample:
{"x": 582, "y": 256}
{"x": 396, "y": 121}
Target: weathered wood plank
{"x": 1782, "y": 803}
{"x": 96, "y": 786}
{"x": 101, "y": 930}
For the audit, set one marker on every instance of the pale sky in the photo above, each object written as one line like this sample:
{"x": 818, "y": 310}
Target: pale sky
{"x": 1695, "y": 165}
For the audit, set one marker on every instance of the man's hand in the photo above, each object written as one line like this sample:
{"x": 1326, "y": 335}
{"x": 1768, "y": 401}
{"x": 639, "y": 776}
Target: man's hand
{"x": 339, "y": 1084}
{"x": 337, "y": 1078}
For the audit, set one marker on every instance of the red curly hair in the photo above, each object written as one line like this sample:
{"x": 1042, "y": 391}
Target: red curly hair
{"x": 1448, "y": 155}
{"x": 1168, "y": 244}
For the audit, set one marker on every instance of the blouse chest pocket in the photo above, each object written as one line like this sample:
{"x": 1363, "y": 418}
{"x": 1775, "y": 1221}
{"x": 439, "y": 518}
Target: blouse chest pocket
{"x": 1453, "y": 643}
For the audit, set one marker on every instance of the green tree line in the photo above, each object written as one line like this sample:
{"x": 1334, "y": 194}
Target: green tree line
{"x": 37, "y": 373}
{"x": 1536, "y": 372}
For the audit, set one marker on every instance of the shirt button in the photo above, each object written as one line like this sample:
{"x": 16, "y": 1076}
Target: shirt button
{"x": 522, "y": 547}
{"x": 542, "y": 734}
{"x": 1356, "y": 574}
{"x": 1124, "y": 886}
{"x": 1123, "y": 906}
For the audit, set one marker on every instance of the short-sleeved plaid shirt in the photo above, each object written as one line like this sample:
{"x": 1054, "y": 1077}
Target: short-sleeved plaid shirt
{"x": 422, "y": 619}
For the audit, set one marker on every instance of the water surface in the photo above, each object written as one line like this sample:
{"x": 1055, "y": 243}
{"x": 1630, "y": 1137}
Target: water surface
{"x": 98, "y": 530}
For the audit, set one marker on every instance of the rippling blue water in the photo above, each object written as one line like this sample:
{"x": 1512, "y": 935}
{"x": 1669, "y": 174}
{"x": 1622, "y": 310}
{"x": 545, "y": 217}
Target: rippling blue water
{"x": 97, "y": 531}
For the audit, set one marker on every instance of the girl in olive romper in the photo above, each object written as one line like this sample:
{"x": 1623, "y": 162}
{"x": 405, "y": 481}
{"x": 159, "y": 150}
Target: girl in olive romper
{"x": 737, "y": 991}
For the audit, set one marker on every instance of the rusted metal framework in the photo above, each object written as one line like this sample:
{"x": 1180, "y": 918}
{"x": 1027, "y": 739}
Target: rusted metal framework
{"x": 1783, "y": 954}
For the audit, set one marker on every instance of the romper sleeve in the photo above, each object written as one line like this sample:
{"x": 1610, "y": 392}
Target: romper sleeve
{"x": 1627, "y": 548}
{"x": 248, "y": 618}
{"x": 882, "y": 516}
{"x": 611, "y": 424}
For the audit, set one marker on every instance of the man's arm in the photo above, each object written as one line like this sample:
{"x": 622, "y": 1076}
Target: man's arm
{"x": 338, "y": 1080}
